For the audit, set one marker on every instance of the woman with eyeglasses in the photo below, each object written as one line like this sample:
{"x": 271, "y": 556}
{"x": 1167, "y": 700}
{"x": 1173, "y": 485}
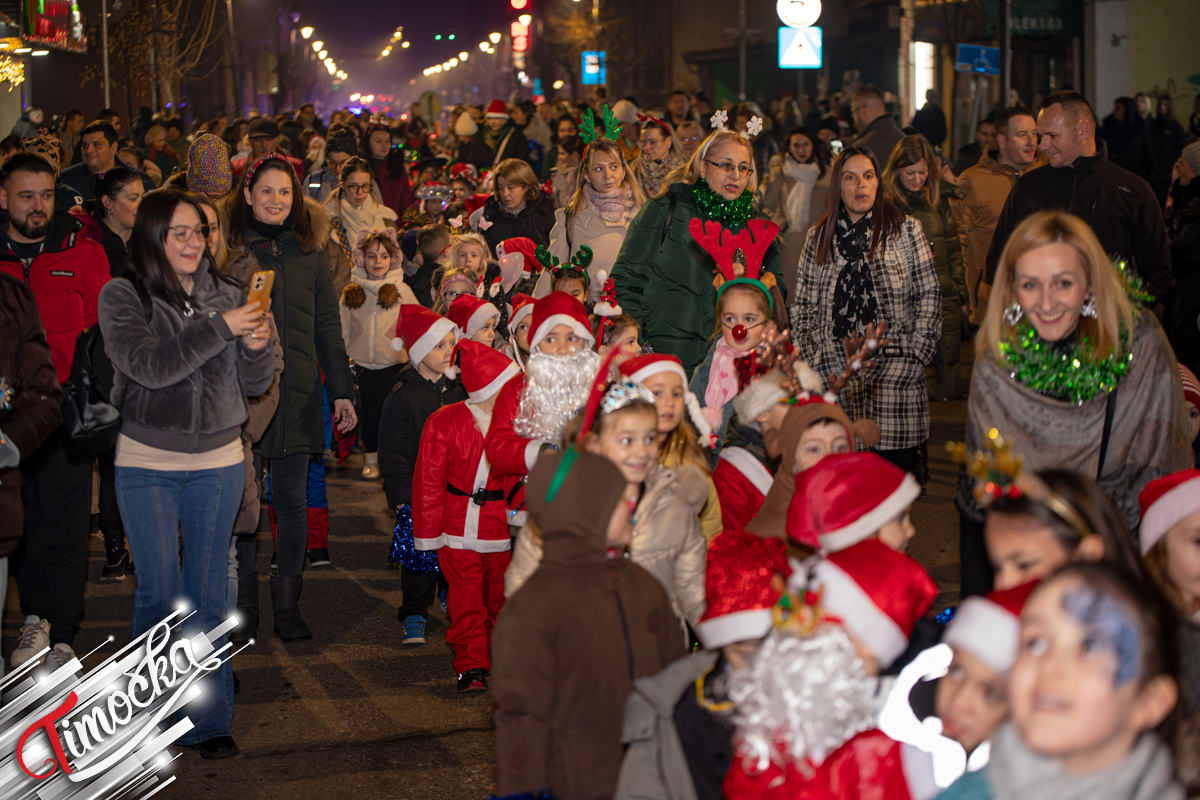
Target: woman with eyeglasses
{"x": 664, "y": 280}
{"x": 688, "y": 136}
{"x": 354, "y": 212}
{"x": 283, "y": 232}
{"x": 187, "y": 350}
{"x": 658, "y": 156}
{"x": 799, "y": 197}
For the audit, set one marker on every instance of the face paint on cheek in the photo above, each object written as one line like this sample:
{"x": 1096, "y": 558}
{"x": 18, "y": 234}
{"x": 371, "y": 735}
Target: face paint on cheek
{"x": 1108, "y": 624}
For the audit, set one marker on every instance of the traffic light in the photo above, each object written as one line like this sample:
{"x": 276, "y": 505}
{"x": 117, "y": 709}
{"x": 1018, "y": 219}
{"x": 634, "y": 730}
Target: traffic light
{"x": 437, "y": 38}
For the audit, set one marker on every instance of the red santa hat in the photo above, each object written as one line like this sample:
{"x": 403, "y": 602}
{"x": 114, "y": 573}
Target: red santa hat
{"x": 496, "y": 110}
{"x": 520, "y": 308}
{"x": 522, "y": 247}
{"x": 990, "y": 627}
{"x": 470, "y": 313}
{"x": 483, "y": 370}
{"x": 878, "y": 594}
{"x": 846, "y": 498}
{"x": 646, "y": 366}
{"x": 738, "y": 587}
{"x": 419, "y": 330}
{"x": 558, "y": 308}
{"x": 1165, "y": 501}
{"x": 1191, "y": 386}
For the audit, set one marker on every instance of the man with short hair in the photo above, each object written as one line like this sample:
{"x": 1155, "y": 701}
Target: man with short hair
{"x": 1119, "y": 206}
{"x": 877, "y": 129}
{"x": 341, "y": 145}
{"x": 112, "y": 117}
{"x": 42, "y": 247}
{"x": 98, "y": 152}
{"x": 985, "y": 187}
{"x": 679, "y": 109}
{"x": 71, "y": 128}
{"x": 970, "y": 153}
{"x": 264, "y": 139}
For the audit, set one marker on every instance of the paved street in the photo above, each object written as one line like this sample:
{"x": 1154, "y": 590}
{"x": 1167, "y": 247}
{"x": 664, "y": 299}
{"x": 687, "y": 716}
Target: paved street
{"x": 351, "y": 714}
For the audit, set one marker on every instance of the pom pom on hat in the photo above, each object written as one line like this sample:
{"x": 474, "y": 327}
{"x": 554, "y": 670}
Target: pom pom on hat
{"x": 465, "y": 125}
{"x": 989, "y": 628}
{"x": 484, "y": 370}
{"x": 761, "y": 395}
{"x": 1165, "y": 501}
{"x": 878, "y": 593}
{"x": 740, "y": 588}
{"x": 470, "y": 313}
{"x": 497, "y": 110}
{"x": 846, "y": 498}
{"x": 558, "y": 308}
{"x": 420, "y": 330}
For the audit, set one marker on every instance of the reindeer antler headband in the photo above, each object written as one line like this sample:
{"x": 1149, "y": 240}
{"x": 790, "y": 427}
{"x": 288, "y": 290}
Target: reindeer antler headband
{"x": 723, "y": 245}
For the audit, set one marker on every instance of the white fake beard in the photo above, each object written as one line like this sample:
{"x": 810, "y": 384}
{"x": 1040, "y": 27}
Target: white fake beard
{"x": 556, "y": 387}
{"x": 802, "y": 698}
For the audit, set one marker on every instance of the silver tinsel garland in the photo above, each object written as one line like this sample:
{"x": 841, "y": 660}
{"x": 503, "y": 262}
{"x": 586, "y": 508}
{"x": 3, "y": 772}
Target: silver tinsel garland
{"x": 556, "y": 388}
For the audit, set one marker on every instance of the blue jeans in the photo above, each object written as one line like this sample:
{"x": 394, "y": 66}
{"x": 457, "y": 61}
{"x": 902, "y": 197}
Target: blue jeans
{"x": 156, "y": 507}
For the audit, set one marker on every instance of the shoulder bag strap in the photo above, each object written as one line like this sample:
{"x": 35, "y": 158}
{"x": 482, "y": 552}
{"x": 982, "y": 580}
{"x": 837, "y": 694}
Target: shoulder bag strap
{"x": 1109, "y": 407}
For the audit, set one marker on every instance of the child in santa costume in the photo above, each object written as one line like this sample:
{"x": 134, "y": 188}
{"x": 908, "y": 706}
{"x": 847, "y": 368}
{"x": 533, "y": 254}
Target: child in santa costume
{"x": 515, "y": 271}
{"x": 1169, "y": 532}
{"x": 422, "y": 388}
{"x": 458, "y": 510}
{"x": 476, "y": 319}
{"x": 678, "y": 728}
{"x": 520, "y": 314}
{"x": 749, "y": 454}
{"x": 807, "y": 708}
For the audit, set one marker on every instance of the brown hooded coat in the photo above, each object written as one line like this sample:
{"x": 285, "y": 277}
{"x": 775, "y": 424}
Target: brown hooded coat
{"x": 569, "y": 644}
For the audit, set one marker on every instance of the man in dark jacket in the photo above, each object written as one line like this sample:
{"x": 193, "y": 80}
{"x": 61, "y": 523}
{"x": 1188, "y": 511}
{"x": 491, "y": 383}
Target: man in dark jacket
{"x": 65, "y": 271}
{"x": 1119, "y": 206}
{"x": 930, "y": 121}
{"x": 877, "y": 129}
{"x": 98, "y": 148}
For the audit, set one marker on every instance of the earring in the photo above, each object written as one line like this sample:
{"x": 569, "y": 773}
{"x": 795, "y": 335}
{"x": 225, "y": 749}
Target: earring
{"x": 1089, "y": 306}
{"x": 1013, "y": 314}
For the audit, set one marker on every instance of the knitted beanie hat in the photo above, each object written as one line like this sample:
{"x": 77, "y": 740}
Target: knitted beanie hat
{"x": 208, "y": 169}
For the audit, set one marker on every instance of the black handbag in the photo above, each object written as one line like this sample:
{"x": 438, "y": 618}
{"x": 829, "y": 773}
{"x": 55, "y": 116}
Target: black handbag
{"x": 92, "y": 423}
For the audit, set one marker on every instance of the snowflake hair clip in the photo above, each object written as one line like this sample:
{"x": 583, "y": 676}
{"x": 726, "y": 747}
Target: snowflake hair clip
{"x": 720, "y": 120}
{"x": 754, "y": 127}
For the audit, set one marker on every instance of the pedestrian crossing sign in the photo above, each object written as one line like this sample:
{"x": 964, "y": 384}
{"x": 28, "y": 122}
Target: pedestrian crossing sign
{"x": 799, "y": 48}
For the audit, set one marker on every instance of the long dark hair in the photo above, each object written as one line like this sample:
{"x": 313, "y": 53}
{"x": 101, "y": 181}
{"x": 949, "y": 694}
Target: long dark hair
{"x": 298, "y": 220}
{"x": 110, "y": 186}
{"x": 818, "y": 148}
{"x": 147, "y": 254}
{"x": 886, "y": 218}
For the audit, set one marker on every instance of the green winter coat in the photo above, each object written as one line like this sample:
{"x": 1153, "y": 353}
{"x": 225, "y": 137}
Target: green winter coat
{"x": 941, "y": 229}
{"x": 310, "y": 332}
{"x": 663, "y": 278}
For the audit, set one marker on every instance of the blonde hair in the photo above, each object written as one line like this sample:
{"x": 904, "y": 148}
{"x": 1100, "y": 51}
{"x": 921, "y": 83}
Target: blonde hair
{"x": 682, "y": 446}
{"x": 440, "y": 277}
{"x": 909, "y": 151}
{"x": 613, "y": 150}
{"x": 1112, "y": 328}
{"x": 474, "y": 238}
{"x": 690, "y": 171}
{"x": 518, "y": 172}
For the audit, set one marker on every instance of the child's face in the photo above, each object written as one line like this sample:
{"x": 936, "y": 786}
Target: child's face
{"x": 1193, "y": 422}
{"x": 486, "y": 334}
{"x": 626, "y": 342}
{"x": 560, "y": 341}
{"x": 629, "y": 440}
{"x": 818, "y": 441}
{"x": 1183, "y": 558}
{"x": 1074, "y": 688}
{"x": 971, "y": 700}
{"x": 668, "y": 391}
{"x": 470, "y": 257}
{"x": 455, "y": 286}
{"x": 377, "y": 261}
{"x": 438, "y": 359}
{"x": 522, "y": 333}
{"x": 741, "y": 311}
{"x": 620, "y": 525}
{"x": 773, "y": 419}
{"x": 897, "y": 533}
{"x": 1021, "y": 549}
{"x": 573, "y": 287}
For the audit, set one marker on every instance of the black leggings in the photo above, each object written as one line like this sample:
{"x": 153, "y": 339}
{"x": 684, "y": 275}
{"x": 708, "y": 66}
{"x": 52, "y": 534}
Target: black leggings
{"x": 289, "y": 483}
{"x": 976, "y": 569}
{"x": 373, "y": 388}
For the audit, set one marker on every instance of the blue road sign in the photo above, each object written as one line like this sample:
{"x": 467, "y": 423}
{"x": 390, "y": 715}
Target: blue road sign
{"x": 980, "y": 60}
{"x": 594, "y": 73}
{"x": 799, "y": 48}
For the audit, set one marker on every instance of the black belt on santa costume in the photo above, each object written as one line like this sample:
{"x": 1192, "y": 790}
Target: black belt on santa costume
{"x": 479, "y": 496}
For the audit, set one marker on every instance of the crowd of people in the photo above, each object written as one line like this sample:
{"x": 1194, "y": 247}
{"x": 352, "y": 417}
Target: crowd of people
{"x": 648, "y": 390}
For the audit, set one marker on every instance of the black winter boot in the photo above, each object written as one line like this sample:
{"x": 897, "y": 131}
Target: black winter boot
{"x": 285, "y": 597}
{"x": 247, "y": 606}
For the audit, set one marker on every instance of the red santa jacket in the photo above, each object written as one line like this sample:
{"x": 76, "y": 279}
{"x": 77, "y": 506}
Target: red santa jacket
{"x": 508, "y": 452}
{"x": 870, "y": 766}
{"x": 742, "y": 482}
{"x": 457, "y": 501}
{"x": 66, "y": 278}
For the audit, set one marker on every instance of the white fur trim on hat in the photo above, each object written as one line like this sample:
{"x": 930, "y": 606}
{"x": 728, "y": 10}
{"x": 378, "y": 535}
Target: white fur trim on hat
{"x": 760, "y": 396}
{"x": 860, "y": 616}
{"x": 868, "y": 524}
{"x": 496, "y": 384}
{"x": 518, "y": 315}
{"x": 480, "y": 317}
{"x": 744, "y": 462}
{"x": 986, "y": 631}
{"x": 658, "y": 367}
{"x": 429, "y": 340}
{"x": 548, "y": 324}
{"x": 740, "y": 626}
{"x": 1175, "y": 504}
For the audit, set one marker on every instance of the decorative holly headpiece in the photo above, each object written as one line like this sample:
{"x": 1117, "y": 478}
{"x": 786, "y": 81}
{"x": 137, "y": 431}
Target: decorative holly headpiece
{"x": 751, "y": 243}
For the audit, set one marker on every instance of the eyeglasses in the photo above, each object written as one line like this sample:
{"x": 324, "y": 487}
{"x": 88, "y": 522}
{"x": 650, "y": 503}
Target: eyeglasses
{"x": 358, "y": 187}
{"x": 689, "y": 139}
{"x": 450, "y": 295}
{"x": 335, "y": 164}
{"x": 728, "y": 167}
{"x": 183, "y": 233}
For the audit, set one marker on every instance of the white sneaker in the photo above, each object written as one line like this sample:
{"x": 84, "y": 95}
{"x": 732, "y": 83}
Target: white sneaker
{"x": 58, "y": 656}
{"x": 34, "y": 638}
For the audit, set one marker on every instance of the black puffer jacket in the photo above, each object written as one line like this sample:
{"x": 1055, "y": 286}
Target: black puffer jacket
{"x": 1119, "y": 206}
{"x": 181, "y": 381}
{"x": 534, "y": 220}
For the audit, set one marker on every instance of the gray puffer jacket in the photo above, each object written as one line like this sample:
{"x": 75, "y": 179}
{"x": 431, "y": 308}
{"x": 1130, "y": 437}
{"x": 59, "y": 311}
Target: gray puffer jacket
{"x": 181, "y": 381}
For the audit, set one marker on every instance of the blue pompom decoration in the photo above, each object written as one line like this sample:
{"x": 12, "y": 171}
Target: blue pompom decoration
{"x": 945, "y": 615}
{"x": 404, "y": 551}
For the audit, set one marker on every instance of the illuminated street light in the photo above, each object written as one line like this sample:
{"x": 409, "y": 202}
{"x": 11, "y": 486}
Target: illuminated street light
{"x": 463, "y": 55}
{"x": 491, "y": 50}
{"x": 558, "y": 84}
{"x": 525, "y": 19}
{"x": 318, "y": 46}
{"x": 385, "y": 51}
{"x": 354, "y": 97}
{"x": 306, "y": 31}
{"x": 404, "y": 44}
{"x": 451, "y": 37}
{"x": 453, "y": 62}
{"x": 483, "y": 47}
{"x": 323, "y": 54}
{"x": 494, "y": 38}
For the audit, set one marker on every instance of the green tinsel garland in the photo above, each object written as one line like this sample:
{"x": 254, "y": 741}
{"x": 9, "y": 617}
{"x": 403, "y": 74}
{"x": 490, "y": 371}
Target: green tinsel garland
{"x": 1072, "y": 373}
{"x": 732, "y": 214}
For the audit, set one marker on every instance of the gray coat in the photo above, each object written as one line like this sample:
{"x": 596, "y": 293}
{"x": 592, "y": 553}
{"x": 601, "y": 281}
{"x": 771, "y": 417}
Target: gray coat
{"x": 180, "y": 382}
{"x": 655, "y": 766}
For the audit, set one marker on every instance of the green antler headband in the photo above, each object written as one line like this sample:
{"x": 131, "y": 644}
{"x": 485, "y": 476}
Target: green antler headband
{"x": 587, "y": 126}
